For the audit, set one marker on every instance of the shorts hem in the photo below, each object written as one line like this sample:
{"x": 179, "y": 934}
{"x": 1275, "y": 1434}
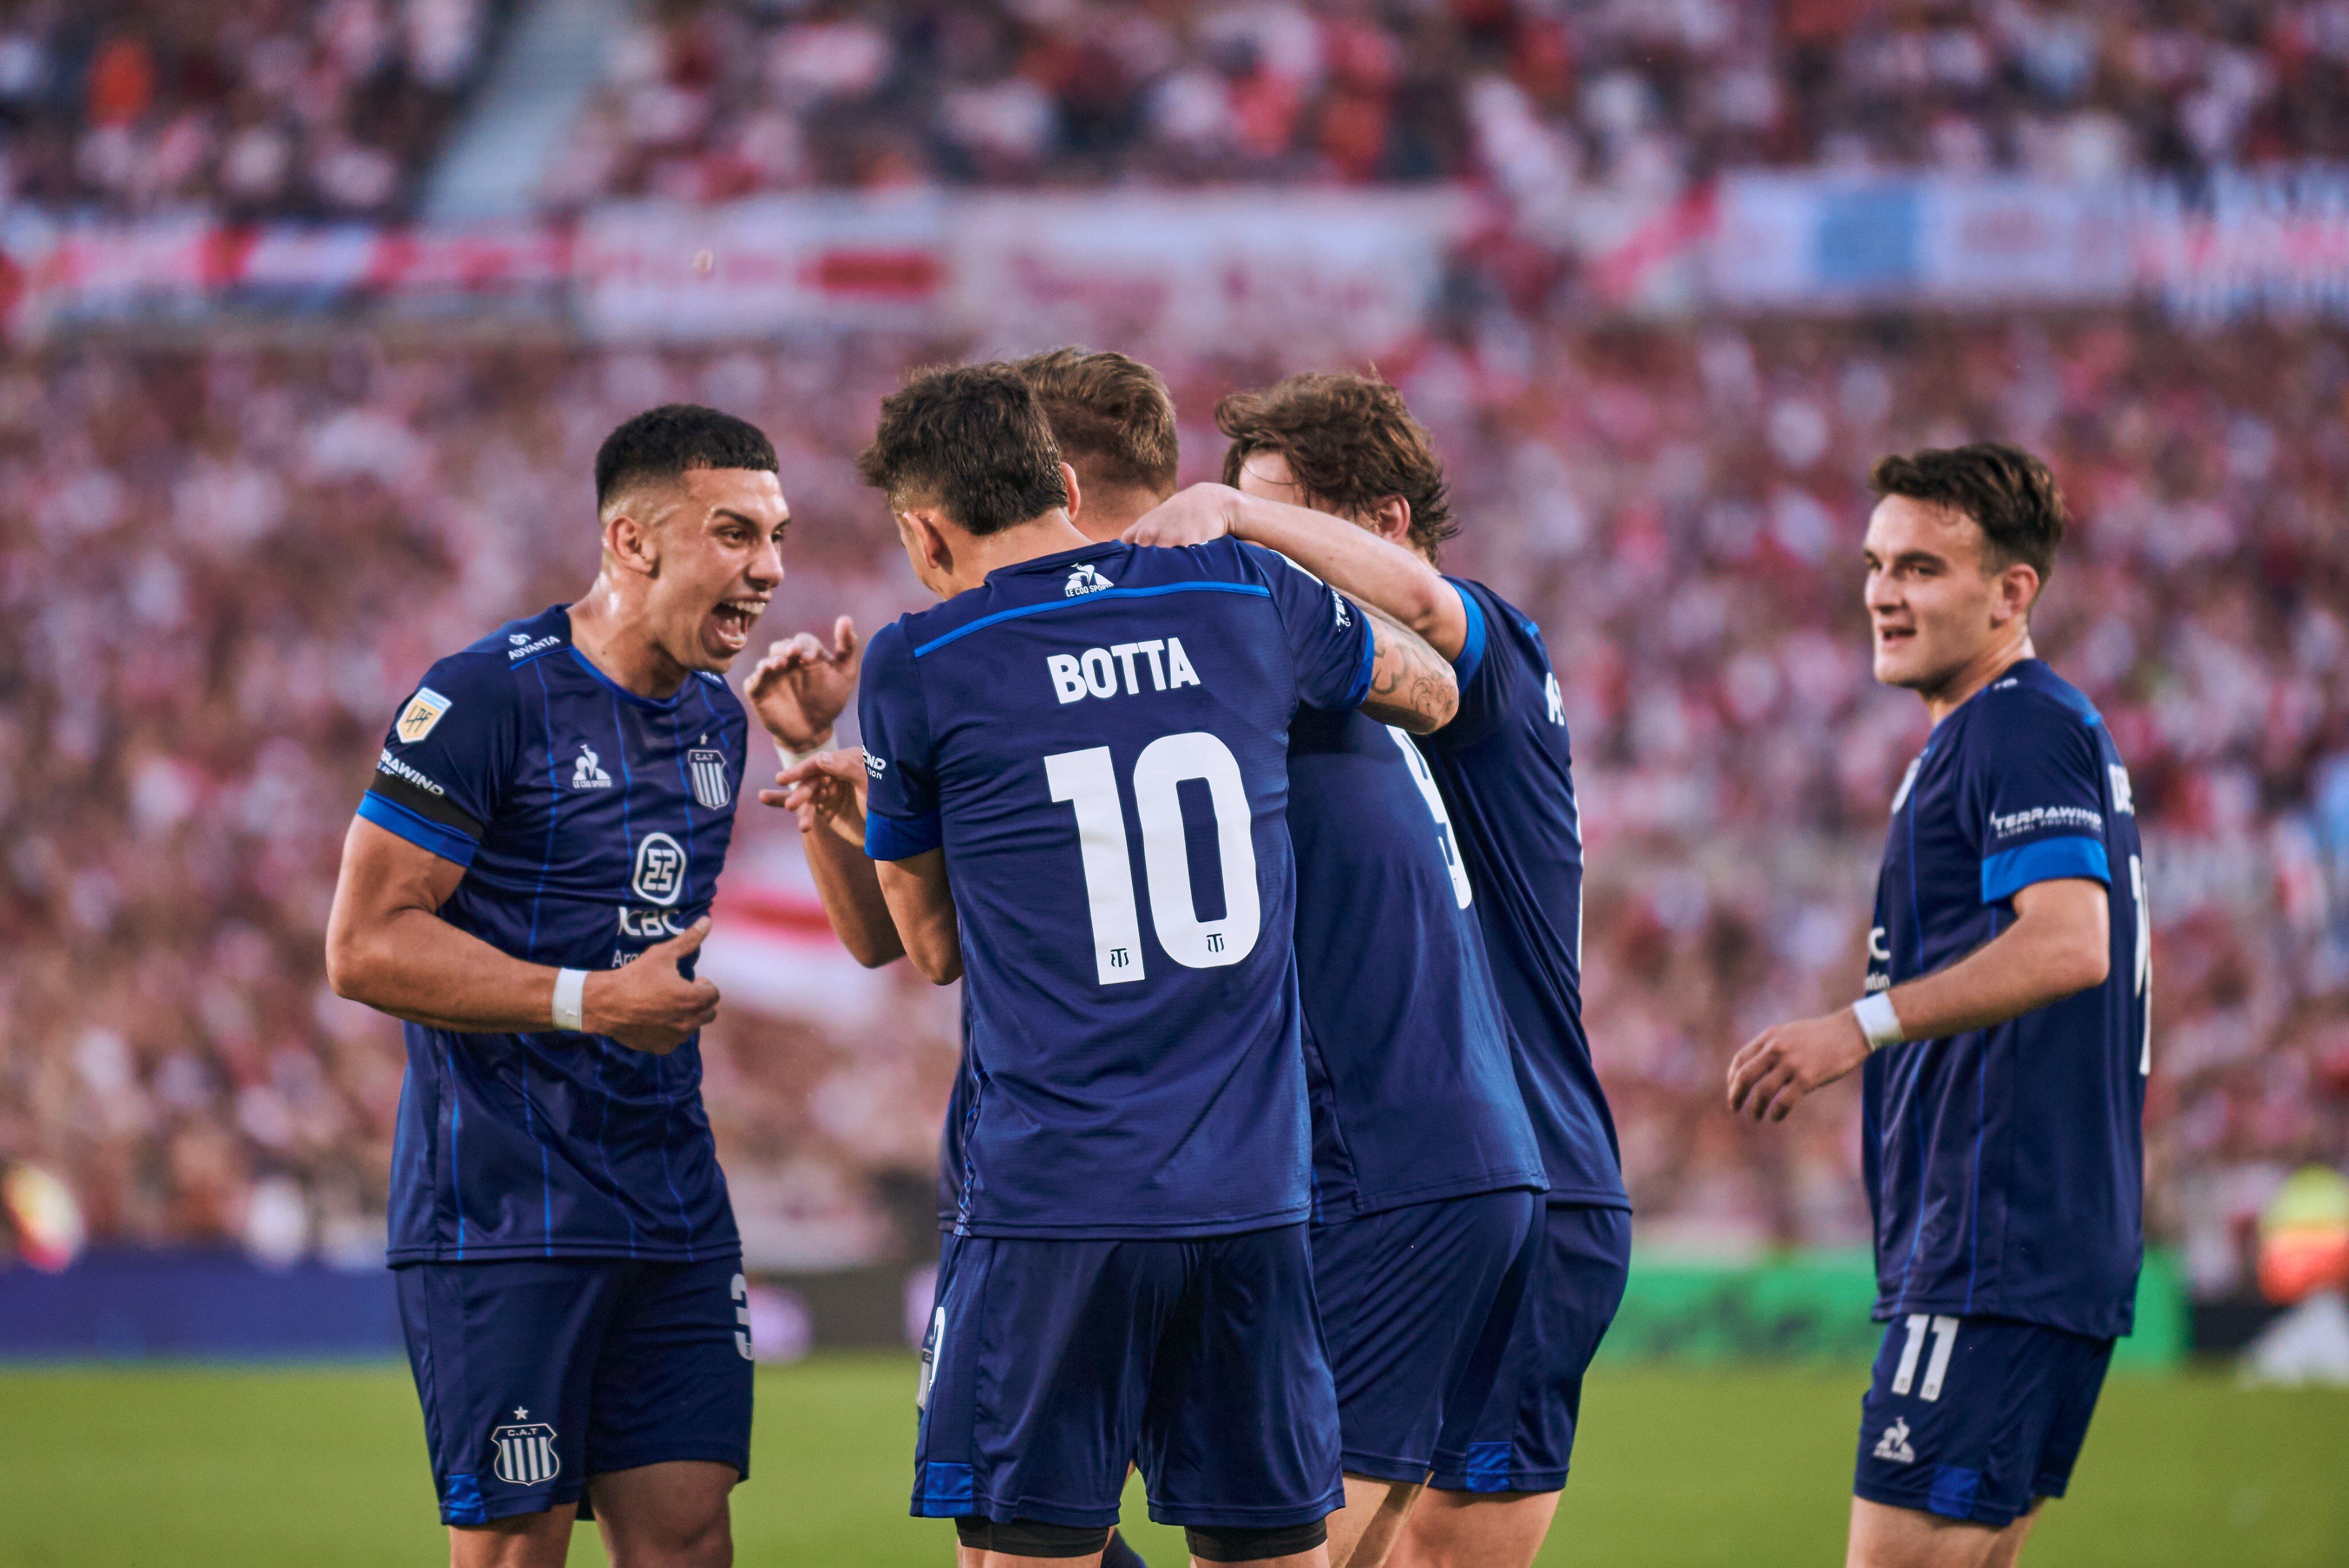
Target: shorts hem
{"x": 1266, "y": 1516}
{"x": 615, "y": 1253}
{"x": 1989, "y": 1515}
{"x": 673, "y": 1453}
{"x": 1586, "y": 1198}
{"x": 1028, "y": 1508}
{"x": 1361, "y": 1207}
{"x": 512, "y": 1508}
{"x": 1383, "y": 1467}
{"x": 1514, "y": 1482}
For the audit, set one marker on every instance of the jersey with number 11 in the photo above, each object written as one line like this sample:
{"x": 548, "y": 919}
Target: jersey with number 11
{"x": 1098, "y": 740}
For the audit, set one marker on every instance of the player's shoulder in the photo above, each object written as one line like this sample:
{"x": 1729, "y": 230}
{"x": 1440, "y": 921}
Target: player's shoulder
{"x": 2028, "y": 699}
{"x": 479, "y": 679}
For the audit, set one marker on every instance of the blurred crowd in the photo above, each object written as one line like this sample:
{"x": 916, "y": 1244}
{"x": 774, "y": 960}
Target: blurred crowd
{"x": 706, "y": 101}
{"x": 298, "y": 107}
{"x": 221, "y": 569}
{"x": 233, "y": 107}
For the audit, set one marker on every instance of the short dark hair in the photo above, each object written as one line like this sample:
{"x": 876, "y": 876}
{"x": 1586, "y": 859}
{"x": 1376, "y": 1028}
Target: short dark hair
{"x": 2007, "y": 490}
{"x": 1111, "y": 413}
{"x": 1350, "y": 443}
{"x": 664, "y": 443}
{"x": 971, "y": 440}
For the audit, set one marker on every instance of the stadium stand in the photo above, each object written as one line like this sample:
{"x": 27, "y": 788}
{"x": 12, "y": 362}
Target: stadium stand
{"x": 219, "y": 568}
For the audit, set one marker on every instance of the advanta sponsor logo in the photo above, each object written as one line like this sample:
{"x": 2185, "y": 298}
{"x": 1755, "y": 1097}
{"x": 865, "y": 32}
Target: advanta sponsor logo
{"x": 527, "y": 649}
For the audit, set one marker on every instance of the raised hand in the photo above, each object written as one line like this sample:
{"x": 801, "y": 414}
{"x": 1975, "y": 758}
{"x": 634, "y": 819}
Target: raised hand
{"x": 826, "y": 791}
{"x": 647, "y": 1004}
{"x": 1192, "y": 516}
{"x": 801, "y": 688}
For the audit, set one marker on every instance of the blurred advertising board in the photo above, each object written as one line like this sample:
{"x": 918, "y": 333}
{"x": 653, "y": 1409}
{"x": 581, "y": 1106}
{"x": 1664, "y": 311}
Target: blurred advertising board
{"x": 1814, "y": 1307}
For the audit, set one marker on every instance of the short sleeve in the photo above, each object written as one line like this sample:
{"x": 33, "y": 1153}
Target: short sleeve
{"x": 442, "y": 772}
{"x": 1486, "y": 670}
{"x": 900, "y": 809}
{"x": 1329, "y": 637}
{"x": 2034, "y": 792}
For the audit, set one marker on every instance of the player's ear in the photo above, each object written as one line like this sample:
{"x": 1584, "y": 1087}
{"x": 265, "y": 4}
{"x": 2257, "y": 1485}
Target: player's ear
{"x": 1391, "y": 520}
{"x": 925, "y": 539}
{"x": 628, "y": 541}
{"x": 2017, "y": 591}
{"x": 1076, "y": 496}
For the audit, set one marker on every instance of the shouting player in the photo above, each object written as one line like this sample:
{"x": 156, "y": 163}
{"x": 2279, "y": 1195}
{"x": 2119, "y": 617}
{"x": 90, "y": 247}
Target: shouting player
{"x": 2004, "y": 1032}
{"x": 1333, "y": 472}
{"x": 526, "y": 884}
{"x": 1078, "y": 780}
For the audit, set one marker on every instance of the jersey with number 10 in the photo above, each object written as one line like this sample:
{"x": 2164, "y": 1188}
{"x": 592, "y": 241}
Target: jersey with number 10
{"x": 2005, "y": 1165}
{"x": 1098, "y": 739}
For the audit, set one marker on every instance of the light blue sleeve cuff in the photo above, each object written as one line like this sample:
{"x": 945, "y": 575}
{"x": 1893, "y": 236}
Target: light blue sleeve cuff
{"x": 899, "y": 837}
{"x": 1472, "y": 650}
{"x": 2010, "y": 871}
{"x": 421, "y": 831}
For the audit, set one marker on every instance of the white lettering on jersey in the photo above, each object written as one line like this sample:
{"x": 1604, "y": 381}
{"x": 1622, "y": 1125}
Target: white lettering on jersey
{"x": 1118, "y": 669}
{"x": 1556, "y": 697}
{"x": 2123, "y": 799}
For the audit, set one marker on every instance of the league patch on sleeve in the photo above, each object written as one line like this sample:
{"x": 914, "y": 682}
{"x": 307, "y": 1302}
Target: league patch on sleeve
{"x": 423, "y": 711}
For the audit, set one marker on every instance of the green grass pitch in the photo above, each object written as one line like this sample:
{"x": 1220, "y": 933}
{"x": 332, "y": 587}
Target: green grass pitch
{"x": 181, "y": 1468}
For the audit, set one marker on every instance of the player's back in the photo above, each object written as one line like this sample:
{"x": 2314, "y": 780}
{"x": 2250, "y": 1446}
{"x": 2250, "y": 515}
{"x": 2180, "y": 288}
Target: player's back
{"x": 592, "y": 822}
{"x": 1505, "y": 768}
{"x": 1098, "y": 739}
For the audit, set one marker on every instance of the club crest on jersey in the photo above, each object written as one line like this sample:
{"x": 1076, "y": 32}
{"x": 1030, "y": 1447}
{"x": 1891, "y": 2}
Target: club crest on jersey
{"x": 1894, "y": 1444}
{"x": 423, "y": 711}
{"x": 711, "y": 788}
{"x": 1086, "y": 579}
{"x": 587, "y": 770}
{"x": 660, "y": 870}
{"x": 525, "y": 1451}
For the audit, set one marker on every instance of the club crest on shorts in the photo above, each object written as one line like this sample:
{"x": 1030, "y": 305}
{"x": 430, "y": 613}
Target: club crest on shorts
{"x": 423, "y": 711}
{"x": 525, "y": 1451}
{"x": 713, "y": 790}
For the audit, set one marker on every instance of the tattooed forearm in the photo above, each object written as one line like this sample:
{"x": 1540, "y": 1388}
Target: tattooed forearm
{"x": 1410, "y": 684}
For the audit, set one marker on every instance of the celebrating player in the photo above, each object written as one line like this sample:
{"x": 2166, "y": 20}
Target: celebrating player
{"x": 1131, "y": 1276}
{"x": 2004, "y": 1032}
{"x": 1332, "y": 471}
{"x": 526, "y": 884}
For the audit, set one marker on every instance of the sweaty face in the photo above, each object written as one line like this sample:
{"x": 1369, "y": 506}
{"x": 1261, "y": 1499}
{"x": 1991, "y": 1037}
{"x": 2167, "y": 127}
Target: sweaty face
{"x": 720, "y": 538}
{"x": 1933, "y": 609}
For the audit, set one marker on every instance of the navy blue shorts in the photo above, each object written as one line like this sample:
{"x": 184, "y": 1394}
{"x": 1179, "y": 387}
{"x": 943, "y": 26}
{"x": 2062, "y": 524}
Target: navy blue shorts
{"x": 1052, "y": 1366}
{"x": 1418, "y": 1304}
{"x": 1523, "y": 1438}
{"x": 1974, "y": 1418}
{"x": 538, "y": 1373}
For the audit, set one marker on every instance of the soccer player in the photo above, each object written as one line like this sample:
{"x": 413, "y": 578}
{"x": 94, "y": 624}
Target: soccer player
{"x": 1113, "y": 420}
{"x": 1078, "y": 778}
{"x": 2003, "y": 1031}
{"x": 1333, "y": 472}
{"x": 526, "y": 884}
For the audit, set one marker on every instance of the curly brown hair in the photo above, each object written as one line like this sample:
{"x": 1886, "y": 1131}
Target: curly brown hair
{"x": 1351, "y": 443}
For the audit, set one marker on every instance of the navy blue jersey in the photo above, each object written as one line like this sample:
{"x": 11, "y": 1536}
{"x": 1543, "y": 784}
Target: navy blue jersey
{"x": 1507, "y": 770}
{"x": 1098, "y": 739}
{"x": 2006, "y": 1166}
{"x": 591, "y": 823}
{"x": 1408, "y": 1059}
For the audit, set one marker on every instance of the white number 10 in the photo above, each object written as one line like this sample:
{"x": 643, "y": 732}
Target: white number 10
{"x": 1087, "y": 779}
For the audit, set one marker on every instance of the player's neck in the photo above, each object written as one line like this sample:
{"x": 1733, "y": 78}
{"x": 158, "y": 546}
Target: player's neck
{"x": 1978, "y": 672}
{"x": 975, "y": 555}
{"x": 1110, "y": 510}
{"x": 622, "y": 646}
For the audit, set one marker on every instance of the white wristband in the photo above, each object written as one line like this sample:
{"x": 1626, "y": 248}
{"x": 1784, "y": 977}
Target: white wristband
{"x": 792, "y": 759}
{"x": 571, "y": 999}
{"x": 1878, "y": 1021}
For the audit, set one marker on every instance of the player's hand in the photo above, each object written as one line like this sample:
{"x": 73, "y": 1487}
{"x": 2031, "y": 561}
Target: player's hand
{"x": 801, "y": 685}
{"x": 1190, "y": 516}
{"x": 647, "y": 1004}
{"x": 1778, "y": 1067}
{"x": 827, "y": 791}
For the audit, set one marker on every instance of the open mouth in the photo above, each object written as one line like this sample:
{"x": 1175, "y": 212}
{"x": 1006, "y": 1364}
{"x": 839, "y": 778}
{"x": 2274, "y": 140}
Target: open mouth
{"x": 734, "y": 617}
